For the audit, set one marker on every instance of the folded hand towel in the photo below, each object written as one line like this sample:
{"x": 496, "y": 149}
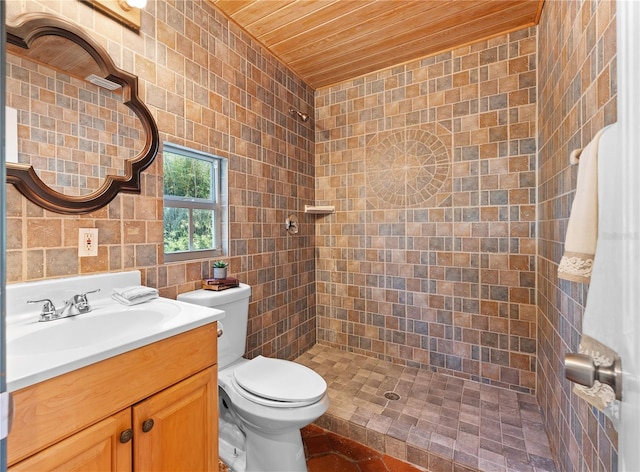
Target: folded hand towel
{"x": 134, "y": 295}
{"x": 582, "y": 230}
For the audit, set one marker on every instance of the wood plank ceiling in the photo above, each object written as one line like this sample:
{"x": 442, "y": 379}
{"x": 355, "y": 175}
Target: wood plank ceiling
{"x": 327, "y": 42}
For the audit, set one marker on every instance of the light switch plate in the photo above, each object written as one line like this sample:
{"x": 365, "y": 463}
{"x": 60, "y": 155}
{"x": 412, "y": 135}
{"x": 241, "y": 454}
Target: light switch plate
{"x": 88, "y": 242}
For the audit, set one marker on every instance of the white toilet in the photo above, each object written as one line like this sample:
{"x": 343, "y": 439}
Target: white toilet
{"x": 263, "y": 402}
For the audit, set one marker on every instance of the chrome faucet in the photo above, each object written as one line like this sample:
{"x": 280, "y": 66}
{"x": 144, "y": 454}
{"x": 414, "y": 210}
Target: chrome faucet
{"x": 76, "y": 305}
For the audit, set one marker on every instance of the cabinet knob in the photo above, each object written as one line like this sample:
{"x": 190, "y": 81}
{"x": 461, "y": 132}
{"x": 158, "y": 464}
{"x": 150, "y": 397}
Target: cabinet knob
{"x": 147, "y": 425}
{"x": 220, "y": 332}
{"x": 126, "y": 436}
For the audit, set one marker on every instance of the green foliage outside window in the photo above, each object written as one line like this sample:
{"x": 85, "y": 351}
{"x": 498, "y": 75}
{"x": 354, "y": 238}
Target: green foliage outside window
{"x": 176, "y": 230}
{"x": 186, "y": 176}
{"x": 191, "y": 193}
{"x": 202, "y": 229}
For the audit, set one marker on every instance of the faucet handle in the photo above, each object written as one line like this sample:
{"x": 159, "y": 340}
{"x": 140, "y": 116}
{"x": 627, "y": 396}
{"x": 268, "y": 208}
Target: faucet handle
{"x": 81, "y": 303}
{"x": 48, "y": 309}
{"x": 90, "y": 291}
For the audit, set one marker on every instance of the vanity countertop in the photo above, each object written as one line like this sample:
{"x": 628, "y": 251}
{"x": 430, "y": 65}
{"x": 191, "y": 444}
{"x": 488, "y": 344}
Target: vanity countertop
{"x": 38, "y": 351}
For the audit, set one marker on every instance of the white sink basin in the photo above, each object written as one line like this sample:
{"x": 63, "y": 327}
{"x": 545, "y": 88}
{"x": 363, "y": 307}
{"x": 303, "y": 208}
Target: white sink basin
{"x": 37, "y": 351}
{"x": 102, "y": 325}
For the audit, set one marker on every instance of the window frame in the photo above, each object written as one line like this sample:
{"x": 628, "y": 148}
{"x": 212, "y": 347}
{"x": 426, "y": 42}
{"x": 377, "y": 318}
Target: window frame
{"x": 218, "y": 204}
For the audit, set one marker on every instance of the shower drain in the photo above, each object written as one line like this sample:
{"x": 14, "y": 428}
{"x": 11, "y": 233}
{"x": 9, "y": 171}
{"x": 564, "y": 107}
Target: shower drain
{"x": 391, "y": 396}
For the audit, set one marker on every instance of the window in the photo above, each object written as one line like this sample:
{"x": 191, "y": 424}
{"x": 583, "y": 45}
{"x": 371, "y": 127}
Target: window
{"x": 195, "y": 210}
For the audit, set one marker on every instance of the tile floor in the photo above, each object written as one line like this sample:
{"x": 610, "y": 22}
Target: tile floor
{"x": 327, "y": 452}
{"x": 437, "y": 422}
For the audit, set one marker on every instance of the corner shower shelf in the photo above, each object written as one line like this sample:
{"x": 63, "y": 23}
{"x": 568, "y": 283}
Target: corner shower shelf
{"x": 319, "y": 210}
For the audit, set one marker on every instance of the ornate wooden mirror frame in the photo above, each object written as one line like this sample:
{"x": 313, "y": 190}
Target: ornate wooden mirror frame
{"x": 23, "y": 33}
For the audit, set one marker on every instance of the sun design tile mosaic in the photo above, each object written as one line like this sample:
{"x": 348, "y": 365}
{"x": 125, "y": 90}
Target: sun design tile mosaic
{"x": 407, "y": 167}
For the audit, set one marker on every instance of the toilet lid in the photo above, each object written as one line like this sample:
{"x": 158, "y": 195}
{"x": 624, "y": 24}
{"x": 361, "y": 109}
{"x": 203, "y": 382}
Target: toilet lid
{"x": 280, "y": 380}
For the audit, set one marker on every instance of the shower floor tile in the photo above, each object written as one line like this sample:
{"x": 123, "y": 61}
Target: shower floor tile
{"x": 434, "y": 421}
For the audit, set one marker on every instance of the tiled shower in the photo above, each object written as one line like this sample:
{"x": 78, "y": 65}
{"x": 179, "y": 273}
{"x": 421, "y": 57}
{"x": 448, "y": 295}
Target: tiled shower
{"x": 429, "y": 260}
{"x": 457, "y": 274}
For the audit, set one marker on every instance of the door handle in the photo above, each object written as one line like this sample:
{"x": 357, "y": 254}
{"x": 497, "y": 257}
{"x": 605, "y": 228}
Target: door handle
{"x": 581, "y": 369}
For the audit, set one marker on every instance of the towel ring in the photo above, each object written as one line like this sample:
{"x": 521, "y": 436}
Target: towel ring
{"x": 574, "y": 157}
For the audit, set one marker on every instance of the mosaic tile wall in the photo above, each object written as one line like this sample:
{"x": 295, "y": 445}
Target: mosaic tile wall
{"x": 577, "y": 83}
{"x": 72, "y": 132}
{"x": 429, "y": 260}
{"x": 212, "y": 88}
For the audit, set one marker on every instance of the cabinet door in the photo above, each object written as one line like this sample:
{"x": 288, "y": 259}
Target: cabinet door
{"x": 177, "y": 429}
{"x": 94, "y": 449}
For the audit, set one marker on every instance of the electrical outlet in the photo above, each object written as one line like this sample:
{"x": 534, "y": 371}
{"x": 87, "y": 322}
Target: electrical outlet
{"x": 88, "y": 242}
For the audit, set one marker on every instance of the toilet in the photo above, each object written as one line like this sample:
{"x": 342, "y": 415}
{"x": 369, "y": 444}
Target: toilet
{"x": 263, "y": 402}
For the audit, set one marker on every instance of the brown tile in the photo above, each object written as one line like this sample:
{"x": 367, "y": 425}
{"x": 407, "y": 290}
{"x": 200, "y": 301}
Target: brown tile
{"x": 311, "y": 430}
{"x": 339, "y": 453}
{"x": 396, "y": 465}
{"x": 461, "y": 422}
{"x": 318, "y": 445}
{"x": 374, "y": 464}
{"x": 331, "y": 463}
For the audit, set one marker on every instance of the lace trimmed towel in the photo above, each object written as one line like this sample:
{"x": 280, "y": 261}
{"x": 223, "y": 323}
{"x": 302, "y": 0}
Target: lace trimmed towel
{"x": 600, "y": 395}
{"x": 134, "y": 294}
{"x": 582, "y": 231}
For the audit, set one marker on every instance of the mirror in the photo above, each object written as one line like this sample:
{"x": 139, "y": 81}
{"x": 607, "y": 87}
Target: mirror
{"x": 83, "y": 133}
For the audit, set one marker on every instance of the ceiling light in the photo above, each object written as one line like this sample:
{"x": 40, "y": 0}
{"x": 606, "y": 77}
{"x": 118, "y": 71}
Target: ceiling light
{"x": 102, "y": 82}
{"x": 136, "y": 3}
{"x": 129, "y": 4}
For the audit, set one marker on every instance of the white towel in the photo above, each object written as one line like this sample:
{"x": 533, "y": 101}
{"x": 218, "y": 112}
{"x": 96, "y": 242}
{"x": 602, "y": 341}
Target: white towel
{"x": 582, "y": 230}
{"x": 603, "y": 321}
{"x": 134, "y": 294}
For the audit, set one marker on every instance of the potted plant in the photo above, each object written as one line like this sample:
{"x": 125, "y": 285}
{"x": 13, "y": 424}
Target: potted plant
{"x": 220, "y": 269}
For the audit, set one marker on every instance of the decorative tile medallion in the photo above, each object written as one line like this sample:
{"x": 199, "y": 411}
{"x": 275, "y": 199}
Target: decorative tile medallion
{"x": 407, "y": 168}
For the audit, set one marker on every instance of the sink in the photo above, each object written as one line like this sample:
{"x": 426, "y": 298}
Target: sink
{"x": 102, "y": 325}
{"x": 38, "y": 351}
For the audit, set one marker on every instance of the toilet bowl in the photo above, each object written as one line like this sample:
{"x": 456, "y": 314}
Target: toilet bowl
{"x": 263, "y": 402}
{"x": 271, "y": 427}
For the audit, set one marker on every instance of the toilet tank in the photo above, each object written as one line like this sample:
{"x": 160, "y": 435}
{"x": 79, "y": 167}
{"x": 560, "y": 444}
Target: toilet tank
{"x": 235, "y": 303}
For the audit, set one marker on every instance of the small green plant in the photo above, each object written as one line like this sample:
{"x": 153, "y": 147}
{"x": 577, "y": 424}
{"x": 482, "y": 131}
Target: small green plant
{"x": 220, "y": 265}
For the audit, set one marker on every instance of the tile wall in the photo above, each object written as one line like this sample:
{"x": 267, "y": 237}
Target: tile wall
{"x": 212, "y": 88}
{"x": 429, "y": 259}
{"x": 577, "y": 87}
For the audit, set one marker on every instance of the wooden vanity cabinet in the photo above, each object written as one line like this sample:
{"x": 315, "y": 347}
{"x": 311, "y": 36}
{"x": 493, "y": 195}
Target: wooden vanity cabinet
{"x": 183, "y": 429}
{"x": 96, "y": 448}
{"x": 169, "y": 420}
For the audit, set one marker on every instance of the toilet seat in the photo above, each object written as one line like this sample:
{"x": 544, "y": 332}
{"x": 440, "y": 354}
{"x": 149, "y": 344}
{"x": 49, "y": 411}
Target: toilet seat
{"x": 278, "y": 383}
